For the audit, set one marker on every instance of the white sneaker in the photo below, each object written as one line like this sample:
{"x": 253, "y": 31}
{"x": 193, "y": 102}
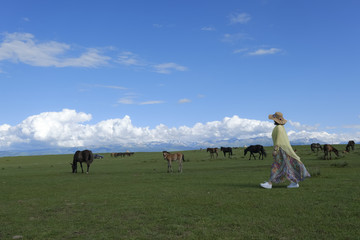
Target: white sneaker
{"x": 293, "y": 185}
{"x": 266, "y": 185}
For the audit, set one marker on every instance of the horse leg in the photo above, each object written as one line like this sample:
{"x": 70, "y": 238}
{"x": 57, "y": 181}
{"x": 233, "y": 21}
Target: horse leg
{"x": 169, "y": 166}
{"x": 82, "y": 170}
{"x": 88, "y": 166}
{"x": 180, "y": 166}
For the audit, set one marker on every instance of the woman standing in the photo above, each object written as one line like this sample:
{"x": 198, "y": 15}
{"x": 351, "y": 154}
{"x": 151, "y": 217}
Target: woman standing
{"x": 287, "y": 164}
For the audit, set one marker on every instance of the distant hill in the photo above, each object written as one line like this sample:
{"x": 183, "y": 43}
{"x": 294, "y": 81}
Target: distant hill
{"x": 151, "y": 147}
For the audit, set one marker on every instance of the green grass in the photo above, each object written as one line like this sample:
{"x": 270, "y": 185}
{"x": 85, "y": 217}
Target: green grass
{"x": 135, "y": 198}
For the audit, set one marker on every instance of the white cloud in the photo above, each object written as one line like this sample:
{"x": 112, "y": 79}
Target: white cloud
{"x": 111, "y": 87}
{"x": 131, "y": 99}
{"x": 69, "y": 128}
{"x": 236, "y": 51}
{"x": 151, "y": 102}
{"x": 129, "y": 59}
{"x": 232, "y": 38}
{"x": 208, "y": 29}
{"x": 23, "y": 47}
{"x": 239, "y": 18}
{"x": 298, "y": 126}
{"x": 265, "y": 51}
{"x": 127, "y": 100}
{"x": 355, "y": 126}
{"x": 167, "y": 68}
{"x": 184, "y": 100}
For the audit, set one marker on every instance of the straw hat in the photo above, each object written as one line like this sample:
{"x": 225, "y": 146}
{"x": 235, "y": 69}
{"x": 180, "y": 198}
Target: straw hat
{"x": 278, "y": 117}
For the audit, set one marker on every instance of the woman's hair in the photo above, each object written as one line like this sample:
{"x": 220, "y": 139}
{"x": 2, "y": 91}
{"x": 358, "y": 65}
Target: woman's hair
{"x": 276, "y": 123}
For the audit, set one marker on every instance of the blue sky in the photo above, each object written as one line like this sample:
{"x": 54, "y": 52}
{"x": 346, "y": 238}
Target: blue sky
{"x": 147, "y": 69}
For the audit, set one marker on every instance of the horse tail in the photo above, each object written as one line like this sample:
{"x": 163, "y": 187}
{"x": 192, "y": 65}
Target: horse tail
{"x": 91, "y": 157}
{"x": 183, "y": 158}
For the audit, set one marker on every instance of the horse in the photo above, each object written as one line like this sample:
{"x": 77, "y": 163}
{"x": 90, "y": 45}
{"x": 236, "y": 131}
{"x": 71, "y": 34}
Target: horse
{"x": 212, "y": 152}
{"x": 328, "y": 149}
{"x": 82, "y": 156}
{"x": 351, "y": 144}
{"x": 226, "y": 150}
{"x": 169, "y": 157}
{"x": 255, "y": 149}
{"x": 316, "y": 146}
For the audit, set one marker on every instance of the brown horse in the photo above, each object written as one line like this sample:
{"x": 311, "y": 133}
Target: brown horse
{"x": 212, "y": 152}
{"x": 351, "y": 144}
{"x": 328, "y": 149}
{"x": 169, "y": 157}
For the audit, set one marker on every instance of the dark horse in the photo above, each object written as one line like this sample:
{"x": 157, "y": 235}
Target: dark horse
{"x": 226, "y": 150}
{"x": 328, "y": 149}
{"x": 82, "y": 156}
{"x": 255, "y": 149}
{"x": 351, "y": 144}
{"x": 316, "y": 146}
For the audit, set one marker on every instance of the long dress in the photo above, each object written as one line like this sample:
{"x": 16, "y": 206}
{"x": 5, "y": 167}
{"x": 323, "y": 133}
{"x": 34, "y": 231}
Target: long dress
{"x": 286, "y": 165}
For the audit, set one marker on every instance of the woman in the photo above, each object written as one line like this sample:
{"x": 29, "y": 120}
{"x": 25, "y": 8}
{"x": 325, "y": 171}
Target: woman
{"x": 287, "y": 164}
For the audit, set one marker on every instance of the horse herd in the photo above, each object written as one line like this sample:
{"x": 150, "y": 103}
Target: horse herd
{"x": 121, "y": 154}
{"x": 328, "y": 149}
{"x": 228, "y": 150}
{"x": 87, "y": 156}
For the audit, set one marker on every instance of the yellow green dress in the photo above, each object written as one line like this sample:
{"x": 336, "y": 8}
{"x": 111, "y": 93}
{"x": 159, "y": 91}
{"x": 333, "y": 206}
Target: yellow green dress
{"x": 287, "y": 165}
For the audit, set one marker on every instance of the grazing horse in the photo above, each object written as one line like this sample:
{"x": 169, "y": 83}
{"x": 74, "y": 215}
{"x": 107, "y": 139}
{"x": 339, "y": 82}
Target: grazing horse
{"x": 212, "y": 152}
{"x": 316, "y": 146}
{"x": 351, "y": 144}
{"x": 169, "y": 157}
{"x": 82, "y": 156}
{"x": 255, "y": 149}
{"x": 226, "y": 150}
{"x": 328, "y": 149}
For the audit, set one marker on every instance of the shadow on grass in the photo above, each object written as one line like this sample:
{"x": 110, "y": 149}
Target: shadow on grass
{"x": 251, "y": 185}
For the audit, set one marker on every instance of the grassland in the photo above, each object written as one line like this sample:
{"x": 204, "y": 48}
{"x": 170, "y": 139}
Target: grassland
{"x": 135, "y": 198}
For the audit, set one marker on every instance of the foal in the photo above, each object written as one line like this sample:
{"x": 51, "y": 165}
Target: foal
{"x": 173, "y": 157}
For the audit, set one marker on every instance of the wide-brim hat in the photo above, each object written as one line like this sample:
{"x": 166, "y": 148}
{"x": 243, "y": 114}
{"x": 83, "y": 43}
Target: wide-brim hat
{"x": 278, "y": 117}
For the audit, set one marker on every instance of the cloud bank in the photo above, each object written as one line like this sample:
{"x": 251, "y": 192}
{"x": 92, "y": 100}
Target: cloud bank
{"x": 68, "y": 128}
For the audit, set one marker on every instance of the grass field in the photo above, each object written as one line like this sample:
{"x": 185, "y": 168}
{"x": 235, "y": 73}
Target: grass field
{"x": 135, "y": 198}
